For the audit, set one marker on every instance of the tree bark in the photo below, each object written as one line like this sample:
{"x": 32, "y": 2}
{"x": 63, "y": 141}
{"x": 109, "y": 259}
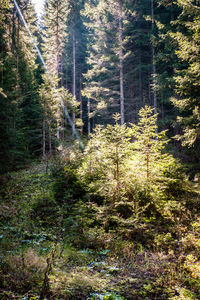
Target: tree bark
{"x": 89, "y": 124}
{"x": 153, "y": 62}
{"x": 121, "y": 60}
{"x": 147, "y": 162}
{"x": 43, "y": 139}
{"x": 117, "y": 174}
{"x": 50, "y": 142}
{"x": 81, "y": 105}
{"x": 74, "y": 74}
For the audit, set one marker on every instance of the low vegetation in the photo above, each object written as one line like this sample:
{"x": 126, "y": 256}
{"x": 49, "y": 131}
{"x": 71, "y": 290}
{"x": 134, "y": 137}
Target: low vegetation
{"x": 119, "y": 221}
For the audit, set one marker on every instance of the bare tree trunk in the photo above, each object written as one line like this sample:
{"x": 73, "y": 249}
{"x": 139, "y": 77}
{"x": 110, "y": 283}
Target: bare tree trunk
{"x": 162, "y": 105}
{"x": 50, "y": 142}
{"x": 153, "y": 63}
{"x": 61, "y": 70}
{"x": 81, "y": 105}
{"x": 17, "y": 47}
{"x": 147, "y": 162}
{"x": 63, "y": 129}
{"x": 58, "y": 131}
{"x": 154, "y": 81}
{"x": 57, "y": 67}
{"x": 117, "y": 174}
{"x": 43, "y": 139}
{"x": 133, "y": 101}
{"x": 121, "y": 60}
{"x": 74, "y": 75}
{"x": 89, "y": 124}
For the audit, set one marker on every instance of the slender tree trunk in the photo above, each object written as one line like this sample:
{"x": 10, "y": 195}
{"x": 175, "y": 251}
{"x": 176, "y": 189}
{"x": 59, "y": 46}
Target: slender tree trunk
{"x": 13, "y": 31}
{"x": 58, "y": 131}
{"x": 154, "y": 81}
{"x": 81, "y": 105}
{"x": 17, "y": 47}
{"x": 133, "y": 101}
{"x": 121, "y": 60}
{"x": 74, "y": 75}
{"x": 66, "y": 76}
{"x": 162, "y": 107}
{"x": 89, "y": 124}
{"x": 43, "y": 139}
{"x": 63, "y": 129}
{"x": 153, "y": 63}
{"x": 50, "y": 142}
{"x": 147, "y": 162}
{"x": 61, "y": 70}
{"x": 117, "y": 174}
{"x": 57, "y": 67}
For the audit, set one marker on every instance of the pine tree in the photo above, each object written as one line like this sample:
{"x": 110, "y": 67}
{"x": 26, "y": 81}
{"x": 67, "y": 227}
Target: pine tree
{"x": 105, "y": 77}
{"x": 129, "y": 167}
{"x": 187, "y": 73}
{"x": 53, "y": 48}
{"x": 54, "y": 35}
{"x": 104, "y": 159}
{"x": 74, "y": 57}
{"x": 148, "y": 146}
{"x": 138, "y": 64}
{"x": 165, "y": 16}
{"x": 21, "y": 112}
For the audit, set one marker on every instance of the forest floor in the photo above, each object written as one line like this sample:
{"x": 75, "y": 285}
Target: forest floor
{"x": 41, "y": 257}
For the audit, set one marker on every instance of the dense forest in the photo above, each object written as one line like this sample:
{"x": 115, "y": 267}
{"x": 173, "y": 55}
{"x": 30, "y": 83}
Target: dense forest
{"x": 99, "y": 156}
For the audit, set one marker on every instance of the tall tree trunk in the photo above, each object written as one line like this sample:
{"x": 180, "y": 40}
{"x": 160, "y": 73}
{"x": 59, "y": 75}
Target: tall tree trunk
{"x": 63, "y": 129}
{"x": 121, "y": 60}
{"x": 57, "y": 67}
{"x": 81, "y": 105}
{"x": 43, "y": 139}
{"x": 89, "y": 124}
{"x": 133, "y": 101}
{"x": 117, "y": 174}
{"x": 74, "y": 74}
{"x": 147, "y": 162}
{"x": 50, "y": 142}
{"x": 153, "y": 62}
{"x": 162, "y": 106}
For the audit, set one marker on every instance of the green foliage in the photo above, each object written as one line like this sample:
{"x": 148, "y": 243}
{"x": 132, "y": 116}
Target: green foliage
{"x": 129, "y": 167}
{"x": 105, "y": 156}
{"x": 136, "y": 257}
{"x": 149, "y": 146}
{"x": 119, "y": 219}
{"x": 187, "y": 74}
{"x": 20, "y": 119}
{"x": 67, "y": 187}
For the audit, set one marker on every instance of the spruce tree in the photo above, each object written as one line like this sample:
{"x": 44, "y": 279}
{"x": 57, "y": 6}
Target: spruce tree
{"x": 104, "y": 85}
{"x": 21, "y": 112}
{"x": 187, "y": 75}
{"x": 54, "y": 35}
{"x": 74, "y": 56}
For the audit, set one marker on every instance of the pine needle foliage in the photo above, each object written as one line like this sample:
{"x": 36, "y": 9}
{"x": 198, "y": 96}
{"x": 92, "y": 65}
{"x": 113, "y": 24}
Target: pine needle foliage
{"x": 129, "y": 167}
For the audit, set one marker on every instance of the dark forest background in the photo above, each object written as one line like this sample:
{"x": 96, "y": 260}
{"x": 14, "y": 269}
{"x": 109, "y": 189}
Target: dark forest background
{"x": 105, "y": 57}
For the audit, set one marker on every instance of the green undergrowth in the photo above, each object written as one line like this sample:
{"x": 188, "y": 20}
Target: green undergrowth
{"x": 60, "y": 240}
